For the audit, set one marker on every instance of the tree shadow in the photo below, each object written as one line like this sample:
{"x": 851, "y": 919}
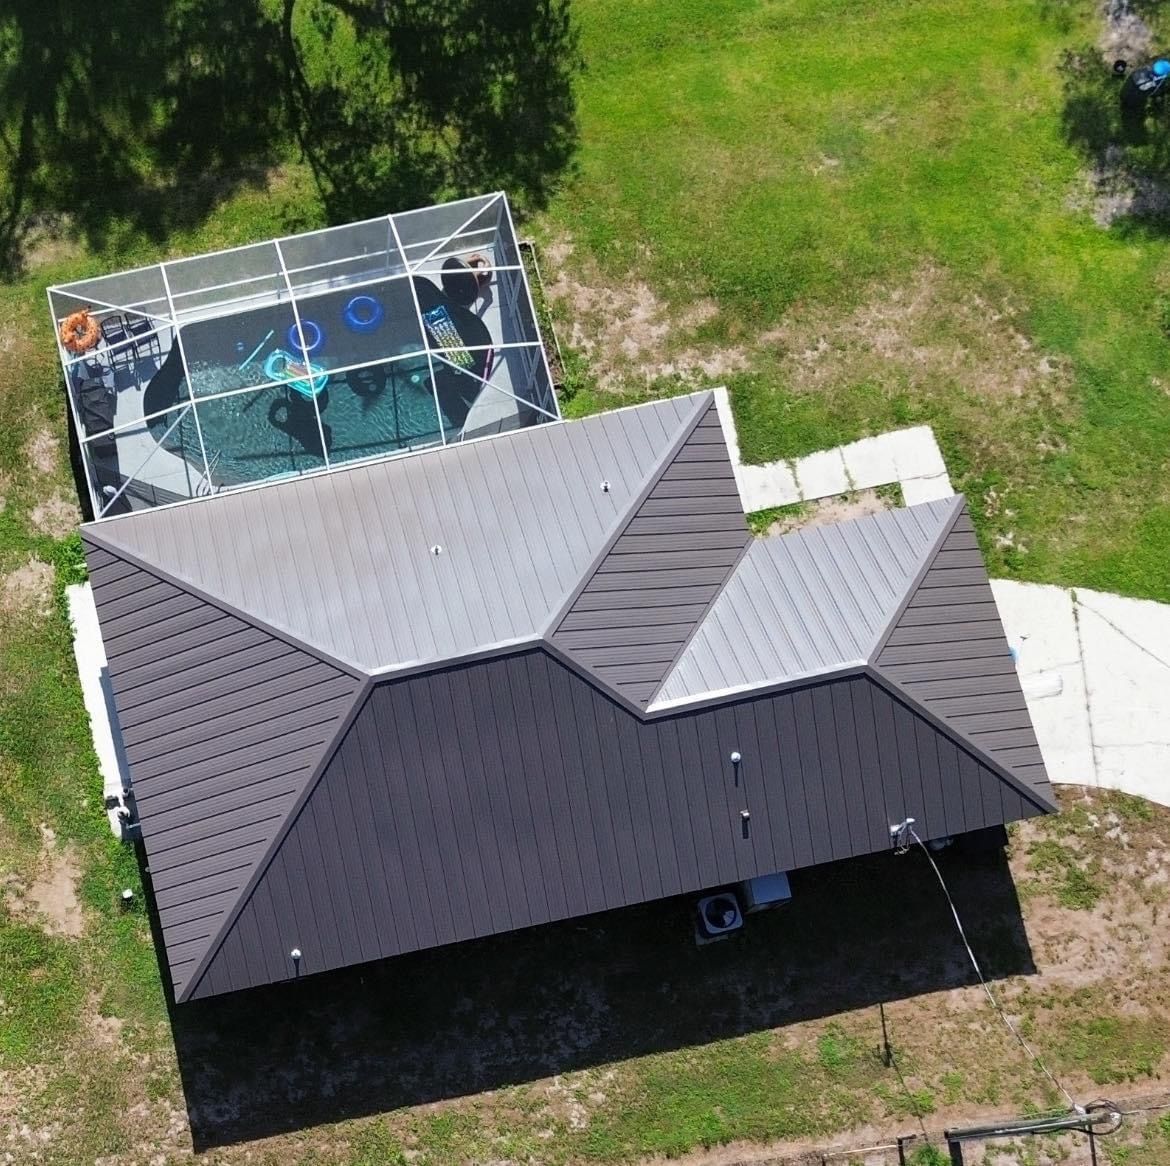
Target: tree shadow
{"x": 1127, "y": 152}
{"x": 523, "y": 1006}
{"x": 141, "y": 119}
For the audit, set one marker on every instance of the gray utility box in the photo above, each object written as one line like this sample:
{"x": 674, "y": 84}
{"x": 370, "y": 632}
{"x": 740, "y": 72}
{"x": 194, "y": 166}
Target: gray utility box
{"x": 760, "y": 894}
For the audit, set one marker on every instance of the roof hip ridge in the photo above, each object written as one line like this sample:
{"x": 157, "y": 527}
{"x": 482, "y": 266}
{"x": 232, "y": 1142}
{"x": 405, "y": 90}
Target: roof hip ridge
{"x": 277, "y": 841}
{"x": 958, "y": 506}
{"x": 706, "y": 401}
{"x": 111, "y": 547}
{"x": 984, "y": 756}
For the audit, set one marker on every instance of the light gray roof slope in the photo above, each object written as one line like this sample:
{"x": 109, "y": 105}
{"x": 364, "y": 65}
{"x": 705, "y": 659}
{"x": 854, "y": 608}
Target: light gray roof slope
{"x": 344, "y": 561}
{"x": 806, "y": 603}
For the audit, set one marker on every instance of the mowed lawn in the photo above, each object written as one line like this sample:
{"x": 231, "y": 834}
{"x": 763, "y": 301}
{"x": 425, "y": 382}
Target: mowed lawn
{"x": 880, "y": 200}
{"x": 860, "y": 216}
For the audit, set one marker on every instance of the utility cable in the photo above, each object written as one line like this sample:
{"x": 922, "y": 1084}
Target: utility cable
{"x": 898, "y": 833}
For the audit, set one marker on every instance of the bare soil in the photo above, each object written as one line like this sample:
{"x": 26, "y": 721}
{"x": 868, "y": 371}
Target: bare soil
{"x": 56, "y": 517}
{"x": 827, "y": 511}
{"x": 50, "y": 898}
{"x": 1125, "y": 34}
{"x": 42, "y": 450}
{"x": 923, "y": 334}
{"x": 27, "y": 590}
{"x": 627, "y": 333}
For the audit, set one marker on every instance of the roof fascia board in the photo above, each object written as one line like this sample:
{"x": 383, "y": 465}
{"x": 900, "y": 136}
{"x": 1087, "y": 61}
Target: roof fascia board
{"x": 111, "y": 547}
{"x": 705, "y": 400}
{"x": 959, "y": 738}
{"x": 262, "y": 865}
{"x": 923, "y": 567}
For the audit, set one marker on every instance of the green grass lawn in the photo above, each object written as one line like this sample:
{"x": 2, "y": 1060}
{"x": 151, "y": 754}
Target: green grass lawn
{"x": 797, "y": 162}
{"x": 871, "y": 212}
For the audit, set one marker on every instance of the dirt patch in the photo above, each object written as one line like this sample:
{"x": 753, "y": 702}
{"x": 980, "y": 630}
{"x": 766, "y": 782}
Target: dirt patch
{"x": 925, "y": 333}
{"x": 628, "y": 333}
{"x": 41, "y": 451}
{"x": 56, "y": 517}
{"x": 27, "y": 590}
{"x": 51, "y": 897}
{"x": 105, "y": 1031}
{"x": 1115, "y": 190}
{"x": 827, "y": 511}
{"x": 1125, "y": 35}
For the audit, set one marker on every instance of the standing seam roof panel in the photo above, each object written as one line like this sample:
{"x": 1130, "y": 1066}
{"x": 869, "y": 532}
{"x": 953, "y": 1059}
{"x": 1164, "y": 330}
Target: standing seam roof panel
{"x": 369, "y": 591}
{"x": 221, "y": 789}
{"x": 805, "y": 770}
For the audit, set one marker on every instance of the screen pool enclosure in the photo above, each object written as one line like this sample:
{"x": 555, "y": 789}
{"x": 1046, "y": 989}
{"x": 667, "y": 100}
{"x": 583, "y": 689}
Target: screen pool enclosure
{"x": 301, "y": 354}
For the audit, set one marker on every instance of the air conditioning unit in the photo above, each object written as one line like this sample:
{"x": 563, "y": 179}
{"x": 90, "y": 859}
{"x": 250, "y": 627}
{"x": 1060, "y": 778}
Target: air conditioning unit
{"x": 717, "y": 917}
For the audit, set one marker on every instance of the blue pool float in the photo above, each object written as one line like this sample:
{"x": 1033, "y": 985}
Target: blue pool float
{"x": 363, "y": 314}
{"x": 308, "y": 336}
{"x": 308, "y": 380}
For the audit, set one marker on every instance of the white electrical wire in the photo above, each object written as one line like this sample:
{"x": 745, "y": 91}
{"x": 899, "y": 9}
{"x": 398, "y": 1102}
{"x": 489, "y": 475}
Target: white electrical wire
{"x": 908, "y": 828}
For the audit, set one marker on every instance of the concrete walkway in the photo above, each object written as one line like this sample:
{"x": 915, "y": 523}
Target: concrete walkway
{"x": 98, "y": 696}
{"x": 909, "y": 457}
{"x": 1095, "y": 668}
{"x": 1096, "y": 674}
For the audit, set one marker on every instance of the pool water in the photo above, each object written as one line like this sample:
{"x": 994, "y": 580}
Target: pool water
{"x": 273, "y": 431}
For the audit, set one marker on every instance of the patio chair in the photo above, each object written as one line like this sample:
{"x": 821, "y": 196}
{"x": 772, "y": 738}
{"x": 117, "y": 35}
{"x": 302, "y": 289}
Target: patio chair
{"x": 118, "y": 339}
{"x": 145, "y": 334}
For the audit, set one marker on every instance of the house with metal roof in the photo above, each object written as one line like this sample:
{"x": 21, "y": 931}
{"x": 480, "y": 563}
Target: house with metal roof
{"x": 501, "y": 682}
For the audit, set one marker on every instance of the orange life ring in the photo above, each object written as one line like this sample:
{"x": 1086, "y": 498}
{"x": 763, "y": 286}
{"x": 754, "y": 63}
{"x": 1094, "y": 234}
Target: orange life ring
{"x": 80, "y": 332}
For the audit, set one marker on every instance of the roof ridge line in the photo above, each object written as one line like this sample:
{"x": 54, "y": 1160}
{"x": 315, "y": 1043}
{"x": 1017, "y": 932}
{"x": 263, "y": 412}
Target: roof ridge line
{"x": 112, "y": 548}
{"x": 959, "y": 738}
{"x": 927, "y": 561}
{"x": 706, "y": 401}
{"x": 277, "y": 841}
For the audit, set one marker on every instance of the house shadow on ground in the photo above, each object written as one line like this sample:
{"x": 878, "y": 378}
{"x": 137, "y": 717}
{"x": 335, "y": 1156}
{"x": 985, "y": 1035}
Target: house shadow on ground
{"x": 516, "y": 1008}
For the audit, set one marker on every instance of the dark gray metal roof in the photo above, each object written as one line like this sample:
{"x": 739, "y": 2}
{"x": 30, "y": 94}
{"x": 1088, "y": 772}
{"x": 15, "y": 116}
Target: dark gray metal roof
{"x": 655, "y": 581}
{"x": 343, "y": 743}
{"x": 487, "y": 797}
{"x": 223, "y": 724}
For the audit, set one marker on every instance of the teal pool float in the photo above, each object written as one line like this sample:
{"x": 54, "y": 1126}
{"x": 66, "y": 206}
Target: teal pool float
{"x": 306, "y": 378}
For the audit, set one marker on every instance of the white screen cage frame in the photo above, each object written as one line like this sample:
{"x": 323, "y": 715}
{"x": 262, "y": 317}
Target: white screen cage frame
{"x": 293, "y": 270}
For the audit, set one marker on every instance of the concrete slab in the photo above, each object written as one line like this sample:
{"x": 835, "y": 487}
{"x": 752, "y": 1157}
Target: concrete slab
{"x": 1126, "y": 650}
{"x": 822, "y": 475}
{"x": 1041, "y": 628}
{"x": 762, "y": 487}
{"x": 98, "y": 696}
{"x": 915, "y": 452}
{"x": 915, "y": 490}
{"x": 870, "y": 462}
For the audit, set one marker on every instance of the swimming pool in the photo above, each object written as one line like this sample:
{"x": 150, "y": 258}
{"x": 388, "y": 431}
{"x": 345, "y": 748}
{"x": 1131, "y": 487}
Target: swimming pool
{"x": 267, "y": 432}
